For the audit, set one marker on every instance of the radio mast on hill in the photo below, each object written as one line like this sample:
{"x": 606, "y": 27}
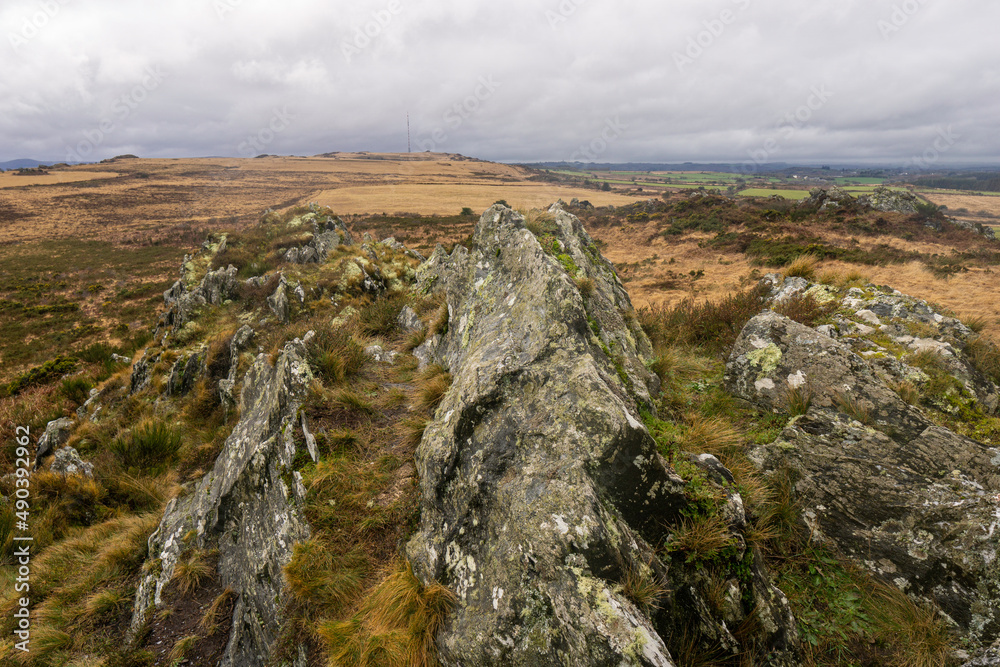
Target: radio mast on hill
{"x": 408, "y": 132}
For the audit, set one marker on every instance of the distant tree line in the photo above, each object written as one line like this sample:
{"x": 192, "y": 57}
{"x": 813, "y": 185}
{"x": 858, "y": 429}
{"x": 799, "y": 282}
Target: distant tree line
{"x": 978, "y": 181}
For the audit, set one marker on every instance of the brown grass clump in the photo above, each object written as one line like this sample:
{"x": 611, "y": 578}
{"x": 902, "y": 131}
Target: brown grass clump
{"x": 324, "y": 580}
{"x": 191, "y": 571}
{"x": 431, "y": 386}
{"x": 803, "y": 266}
{"x": 642, "y": 586}
{"x": 985, "y": 356}
{"x": 853, "y": 408}
{"x": 395, "y": 624}
{"x": 915, "y": 632}
{"x": 799, "y": 400}
{"x": 700, "y": 538}
{"x": 219, "y": 609}
{"x": 710, "y": 435}
{"x": 336, "y": 355}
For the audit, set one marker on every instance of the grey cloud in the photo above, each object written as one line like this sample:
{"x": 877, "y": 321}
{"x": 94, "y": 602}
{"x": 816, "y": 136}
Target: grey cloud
{"x": 689, "y": 80}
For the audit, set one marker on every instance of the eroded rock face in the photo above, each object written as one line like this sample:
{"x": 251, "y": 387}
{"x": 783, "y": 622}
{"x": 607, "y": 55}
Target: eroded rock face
{"x": 249, "y": 507}
{"x": 915, "y": 503}
{"x": 541, "y": 487}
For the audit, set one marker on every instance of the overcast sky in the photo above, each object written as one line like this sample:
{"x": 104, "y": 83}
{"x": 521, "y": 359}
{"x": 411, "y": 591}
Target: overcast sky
{"x": 518, "y": 80}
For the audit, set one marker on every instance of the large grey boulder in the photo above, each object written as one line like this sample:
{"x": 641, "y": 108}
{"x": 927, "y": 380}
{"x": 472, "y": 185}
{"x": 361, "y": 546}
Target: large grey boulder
{"x": 249, "y": 507}
{"x": 541, "y": 488}
{"x": 915, "y": 503}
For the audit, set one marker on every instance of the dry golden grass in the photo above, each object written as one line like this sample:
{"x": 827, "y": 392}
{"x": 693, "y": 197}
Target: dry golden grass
{"x": 646, "y": 261}
{"x": 974, "y": 203}
{"x": 450, "y": 198}
{"x": 12, "y": 180}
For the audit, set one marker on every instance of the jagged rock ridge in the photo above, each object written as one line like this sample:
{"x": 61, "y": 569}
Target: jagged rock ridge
{"x": 541, "y": 487}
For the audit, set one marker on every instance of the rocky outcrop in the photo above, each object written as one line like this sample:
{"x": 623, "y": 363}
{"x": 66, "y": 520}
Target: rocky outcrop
{"x": 185, "y": 372}
{"x": 56, "y": 434}
{"x": 328, "y": 234}
{"x": 542, "y": 490}
{"x": 914, "y": 502}
{"x": 278, "y": 301}
{"x": 248, "y": 507}
{"x": 67, "y": 461}
{"x": 240, "y": 341}
{"x": 825, "y": 199}
{"x": 214, "y": 288}
{"x": 887, "y": 200}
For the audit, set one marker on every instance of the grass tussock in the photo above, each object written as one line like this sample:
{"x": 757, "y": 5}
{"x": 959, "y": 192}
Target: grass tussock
{"x": 985, "y": 356}
{"x": 336, "y": 355}
{"x": 324, "y": 580}
{"x": 799, "y": 400}
{"x": 150, "y": 446}
{"x": 77, "y": 580}
{"x": 711, "y": 325}
{"x": 218, "y": 611}
{"x": 917, "y": 635}
{"x": 380, "y": 317}
{"x": 644, "y": 587}
{"x": 711, "y": 435}
{"x": 430, "y": 387}
{"x": 853, "y": 408}
{"x": 180, "y": 649}
{"x": 700, "y": 538}
{"x": 803, "y": 266}
{"x": 395, "y": 624}
{"x": 192, "y": 571}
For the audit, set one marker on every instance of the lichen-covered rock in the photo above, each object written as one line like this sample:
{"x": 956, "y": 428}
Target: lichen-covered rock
{"x": 328, "y": 234}
{"x": 214, "y": 288}
{"x": 828, "y": 198}
{"x": 241, "y": 340}
{"x": 976, "y": 227}
{"x": 142, "y": 371}
{"x": 409, "y": 321}
{"x": 67, "y": 461}
{"x": 278, "y": 302}
{"x": 886, "y": 200}
{"x": 541, "y": 487}
{"x": 249, "y": 507}
{"x": 914, "y": 502}
{"x": 185, "y": 372}
{"x": 774, "y": 355}
{"x": 56, "y": 433}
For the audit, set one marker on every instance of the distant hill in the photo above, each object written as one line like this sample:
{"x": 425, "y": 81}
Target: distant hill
{"x": 23, "y": 163}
